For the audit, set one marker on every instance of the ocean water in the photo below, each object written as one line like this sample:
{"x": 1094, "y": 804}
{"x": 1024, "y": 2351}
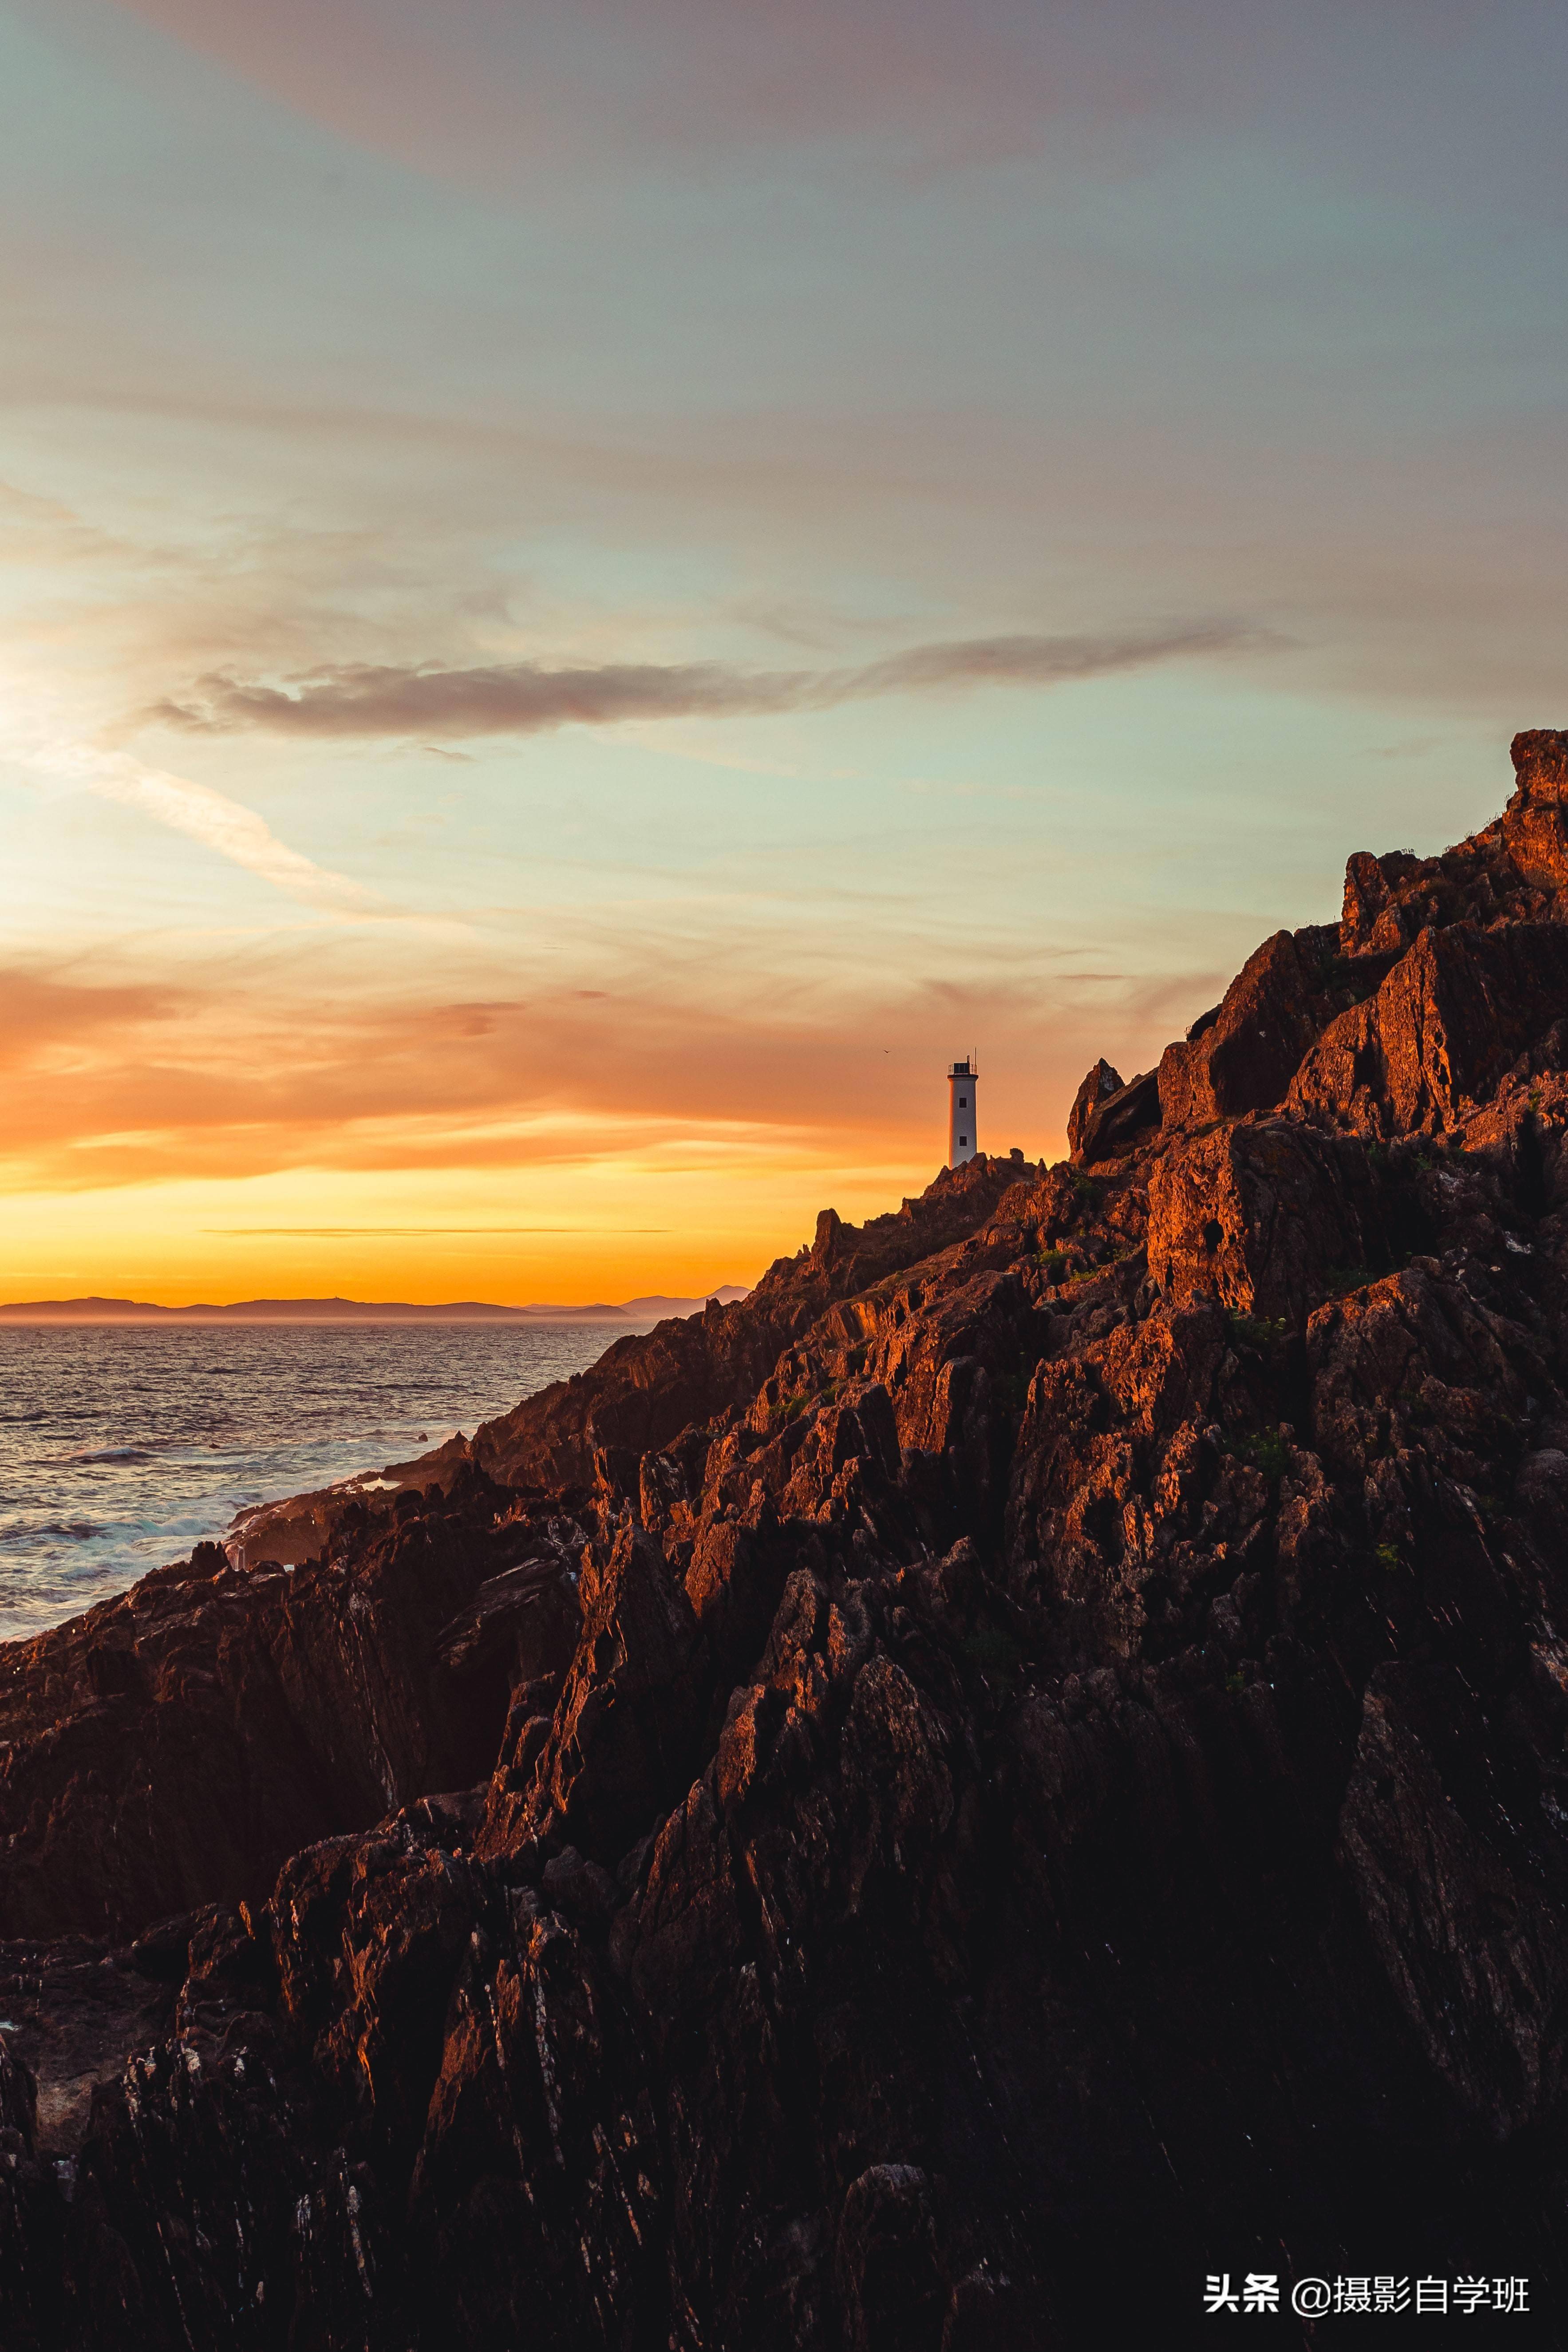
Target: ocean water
{"x": 120, "y": 1446}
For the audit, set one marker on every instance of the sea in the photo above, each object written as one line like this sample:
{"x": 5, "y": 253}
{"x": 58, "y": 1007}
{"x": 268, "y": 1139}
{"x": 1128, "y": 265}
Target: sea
{"x": 122, "y": 1445}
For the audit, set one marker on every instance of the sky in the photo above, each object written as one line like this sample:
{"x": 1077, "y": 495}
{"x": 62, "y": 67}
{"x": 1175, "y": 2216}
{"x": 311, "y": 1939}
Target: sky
{"x": 591, "y": 593}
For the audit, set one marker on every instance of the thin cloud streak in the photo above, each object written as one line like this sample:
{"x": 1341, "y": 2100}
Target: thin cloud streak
{"x": 32, "y": 735}
{"x": 524, "y": 698}
{"x": 232, "y": 831}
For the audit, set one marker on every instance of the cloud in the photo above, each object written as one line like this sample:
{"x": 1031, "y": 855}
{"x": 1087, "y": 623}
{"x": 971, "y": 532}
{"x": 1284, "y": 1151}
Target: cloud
{"x": 524, "y": 698}
{"x": 245, "y": 1076}
{"x": 52, "y": 1028}
{"x": 487, "y": 96}
{"x": 34, "y": 737}
{"x": 232, "y": 831}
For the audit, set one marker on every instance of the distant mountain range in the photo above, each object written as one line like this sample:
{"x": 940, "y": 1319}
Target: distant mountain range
{"x": 652, "y": 1309}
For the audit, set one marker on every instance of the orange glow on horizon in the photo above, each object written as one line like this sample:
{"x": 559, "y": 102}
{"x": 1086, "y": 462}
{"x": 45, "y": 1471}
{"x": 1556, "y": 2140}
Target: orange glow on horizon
{"x": 575, "y": 1234}
{"x": 184, "y": 1143}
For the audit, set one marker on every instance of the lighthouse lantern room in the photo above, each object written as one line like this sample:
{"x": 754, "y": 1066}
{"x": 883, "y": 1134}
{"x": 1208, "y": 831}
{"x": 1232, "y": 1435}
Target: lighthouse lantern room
{"x": 962, "y": 1138}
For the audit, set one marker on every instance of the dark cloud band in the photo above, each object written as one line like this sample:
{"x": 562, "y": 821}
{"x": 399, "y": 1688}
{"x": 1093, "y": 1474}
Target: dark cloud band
{"x": 522, "y": 698}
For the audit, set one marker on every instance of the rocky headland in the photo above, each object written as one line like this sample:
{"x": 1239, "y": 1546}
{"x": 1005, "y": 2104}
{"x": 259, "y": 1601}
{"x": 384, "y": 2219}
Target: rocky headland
{"x": 1023, "y": 1763}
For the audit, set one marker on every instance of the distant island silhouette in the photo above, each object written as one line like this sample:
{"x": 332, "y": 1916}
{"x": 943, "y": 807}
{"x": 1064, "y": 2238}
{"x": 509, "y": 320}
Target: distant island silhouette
{"x": 653, "y": 1308}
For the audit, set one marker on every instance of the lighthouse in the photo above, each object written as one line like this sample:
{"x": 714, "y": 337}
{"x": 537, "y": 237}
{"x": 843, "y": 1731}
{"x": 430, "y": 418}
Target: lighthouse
{"x": 963, "y": 1140}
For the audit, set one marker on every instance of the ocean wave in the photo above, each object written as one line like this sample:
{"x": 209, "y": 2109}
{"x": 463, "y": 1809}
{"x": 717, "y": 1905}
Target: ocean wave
{"x": 167, "y": 1439}
{"x": 103, "y": 1454}
{"x": 74, "y": 1530}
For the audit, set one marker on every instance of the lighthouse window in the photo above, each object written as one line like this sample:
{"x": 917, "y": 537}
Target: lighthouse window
{"x": 963, "y": 1138}
{"x": 964, "y": 1102}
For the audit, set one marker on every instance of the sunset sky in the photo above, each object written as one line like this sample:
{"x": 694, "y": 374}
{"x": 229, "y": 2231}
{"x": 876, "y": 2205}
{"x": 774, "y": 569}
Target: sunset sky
{"x": 593, "y": 591}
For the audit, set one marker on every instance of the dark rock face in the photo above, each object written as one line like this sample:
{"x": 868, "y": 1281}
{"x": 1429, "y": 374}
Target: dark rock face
{"x": 1030, "y": 1754}
{"x": 173, "y": 1747}
{"x": 1244, "y": 1059}
{"x": 1097, "y": 1087}
{"x": 1541, "y": 767}
{"x": 1257, "y": 1216}
{"x": 1372, "y": 922}
{"x": 1109, "y": 1116}
{"x": 1459, "y": 1011}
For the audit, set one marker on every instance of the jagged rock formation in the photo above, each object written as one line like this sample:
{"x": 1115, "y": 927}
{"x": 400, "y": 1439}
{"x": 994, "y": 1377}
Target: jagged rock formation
{"x": 1030, "y": 1754}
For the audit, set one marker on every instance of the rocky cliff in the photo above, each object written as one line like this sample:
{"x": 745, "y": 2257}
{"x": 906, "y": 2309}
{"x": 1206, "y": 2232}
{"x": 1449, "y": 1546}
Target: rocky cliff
{"x": 1023, "y": 1764}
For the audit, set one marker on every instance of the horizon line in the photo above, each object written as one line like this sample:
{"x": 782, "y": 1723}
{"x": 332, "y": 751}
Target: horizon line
{"x": 99, "y": 1307}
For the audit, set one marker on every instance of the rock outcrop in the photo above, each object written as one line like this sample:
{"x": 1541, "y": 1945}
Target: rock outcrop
{"x": 1022, "y": 1764}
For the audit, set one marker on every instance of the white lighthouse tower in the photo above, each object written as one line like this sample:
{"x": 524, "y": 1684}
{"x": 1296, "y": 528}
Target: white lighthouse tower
{"x": 962, "y": 1138}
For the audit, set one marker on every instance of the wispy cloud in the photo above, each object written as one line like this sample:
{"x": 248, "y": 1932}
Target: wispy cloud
{"x": 32, "y": 734}
{"x": 499, "y": 93}
{"x": 524, "y": 698}
{"x": 232, "y": 830}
